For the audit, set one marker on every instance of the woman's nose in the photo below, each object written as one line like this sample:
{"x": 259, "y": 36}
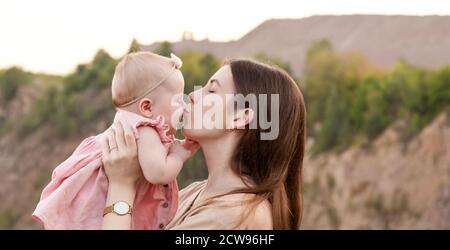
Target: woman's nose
{"x": 196, "y": 95}
{"x": 191, "y": 97}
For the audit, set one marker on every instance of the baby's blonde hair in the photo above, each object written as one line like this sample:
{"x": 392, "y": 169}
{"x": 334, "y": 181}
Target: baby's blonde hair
{"x": 135, "y": 73}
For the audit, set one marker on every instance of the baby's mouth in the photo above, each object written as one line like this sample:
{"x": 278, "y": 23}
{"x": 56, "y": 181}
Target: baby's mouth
{"x": 181, "y": 121}
{"x": 181, "y": 118}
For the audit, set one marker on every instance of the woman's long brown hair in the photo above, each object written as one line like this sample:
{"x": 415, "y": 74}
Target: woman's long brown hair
{"x": 275, "y": 166}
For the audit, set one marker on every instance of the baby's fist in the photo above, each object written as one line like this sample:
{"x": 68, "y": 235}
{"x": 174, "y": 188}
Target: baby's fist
{"x": 183, "y": 149}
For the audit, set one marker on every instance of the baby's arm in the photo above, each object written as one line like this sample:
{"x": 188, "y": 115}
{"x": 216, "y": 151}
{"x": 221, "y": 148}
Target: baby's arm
{"x": 159, "y": 165}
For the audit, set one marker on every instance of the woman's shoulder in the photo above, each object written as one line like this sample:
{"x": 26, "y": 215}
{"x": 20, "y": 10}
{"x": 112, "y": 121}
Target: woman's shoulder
{"x": 261, "y": 217}
{"x": 232, "y": 212}
{"x": 253, "y": 214}
{"x": 226, "y": 213}
{"x": 192, "y": 188}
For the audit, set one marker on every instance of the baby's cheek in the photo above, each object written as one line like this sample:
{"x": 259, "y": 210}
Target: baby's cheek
{"x": 171, "y": 114}
{"x": 177, "y": 111}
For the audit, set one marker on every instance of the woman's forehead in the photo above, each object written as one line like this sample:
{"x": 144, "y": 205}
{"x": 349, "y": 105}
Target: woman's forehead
{"x": 225, "y": 78}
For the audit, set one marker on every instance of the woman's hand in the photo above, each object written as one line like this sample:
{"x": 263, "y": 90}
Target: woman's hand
{"x": 122, "y": 168}
{"x": 119, "y": 158}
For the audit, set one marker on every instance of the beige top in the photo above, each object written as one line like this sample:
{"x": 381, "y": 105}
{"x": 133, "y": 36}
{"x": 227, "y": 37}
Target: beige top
{"x": 224, "y": 212}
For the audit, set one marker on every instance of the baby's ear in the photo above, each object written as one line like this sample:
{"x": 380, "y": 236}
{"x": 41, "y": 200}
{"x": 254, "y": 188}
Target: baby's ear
{"x": 146, "y": 107}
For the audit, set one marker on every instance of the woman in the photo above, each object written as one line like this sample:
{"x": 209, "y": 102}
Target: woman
{"x": 252, "y": 183}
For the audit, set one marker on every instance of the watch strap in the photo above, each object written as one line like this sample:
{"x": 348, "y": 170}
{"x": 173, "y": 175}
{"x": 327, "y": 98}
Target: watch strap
{"x": 108, "y": 210}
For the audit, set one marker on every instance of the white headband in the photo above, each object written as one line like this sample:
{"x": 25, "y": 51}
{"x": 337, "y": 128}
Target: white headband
{"x": 177, "y": 63}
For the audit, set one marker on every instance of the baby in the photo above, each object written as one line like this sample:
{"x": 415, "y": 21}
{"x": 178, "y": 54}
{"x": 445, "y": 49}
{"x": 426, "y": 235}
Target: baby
{"x": 147, "y": 91}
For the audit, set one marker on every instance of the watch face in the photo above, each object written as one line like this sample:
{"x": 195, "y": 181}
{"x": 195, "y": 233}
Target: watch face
{"x": 121, "y": 207}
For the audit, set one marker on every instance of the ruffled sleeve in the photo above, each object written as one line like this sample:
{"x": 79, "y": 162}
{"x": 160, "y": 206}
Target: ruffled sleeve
{"x": 157, "y": 122}
{"x": 159, "y": 125}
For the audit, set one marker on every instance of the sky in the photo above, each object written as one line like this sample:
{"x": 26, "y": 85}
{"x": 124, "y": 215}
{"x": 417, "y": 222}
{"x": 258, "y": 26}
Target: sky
{"x": 53, "y": 36}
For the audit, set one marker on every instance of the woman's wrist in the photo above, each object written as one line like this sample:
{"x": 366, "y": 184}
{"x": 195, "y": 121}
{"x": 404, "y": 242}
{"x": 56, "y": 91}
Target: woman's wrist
{"x": 125, "y": 191}
{"x": 128, "y": 184}
{"x": 119, "y": 192}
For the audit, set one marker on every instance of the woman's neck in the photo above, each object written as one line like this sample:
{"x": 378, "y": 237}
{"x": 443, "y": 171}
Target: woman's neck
{"x": 218, "y": 154}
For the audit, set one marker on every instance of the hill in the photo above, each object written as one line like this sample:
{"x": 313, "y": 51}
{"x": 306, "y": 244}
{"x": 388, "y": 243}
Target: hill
{"x": 421, "y": 40}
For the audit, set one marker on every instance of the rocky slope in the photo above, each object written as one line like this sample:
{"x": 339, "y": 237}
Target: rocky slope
{"x": 393, "y": 183}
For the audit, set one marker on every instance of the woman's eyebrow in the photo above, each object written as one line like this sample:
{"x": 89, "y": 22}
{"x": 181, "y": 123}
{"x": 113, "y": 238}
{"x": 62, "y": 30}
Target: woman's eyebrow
{"x": 215, "y": 80}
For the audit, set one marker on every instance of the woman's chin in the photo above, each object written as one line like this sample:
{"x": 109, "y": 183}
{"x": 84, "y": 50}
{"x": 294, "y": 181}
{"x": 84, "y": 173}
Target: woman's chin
{"x": 189, "y": 133}
{"x": 185, "y": 132}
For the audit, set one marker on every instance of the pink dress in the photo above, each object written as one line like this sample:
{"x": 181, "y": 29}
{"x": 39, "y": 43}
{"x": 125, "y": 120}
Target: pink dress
{"x": 76, "y": 195}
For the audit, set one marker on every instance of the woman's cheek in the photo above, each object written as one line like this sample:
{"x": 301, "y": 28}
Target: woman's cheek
{"x": 194, "y": 117}
{"x": 203, "y": 111}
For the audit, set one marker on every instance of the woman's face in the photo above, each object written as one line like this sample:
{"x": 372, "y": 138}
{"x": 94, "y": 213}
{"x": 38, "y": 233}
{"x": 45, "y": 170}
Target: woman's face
{"x": 210, "y": 108}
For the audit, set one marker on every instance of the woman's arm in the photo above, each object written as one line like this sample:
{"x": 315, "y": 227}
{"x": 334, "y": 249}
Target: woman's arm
{"x": 123, "y": 171}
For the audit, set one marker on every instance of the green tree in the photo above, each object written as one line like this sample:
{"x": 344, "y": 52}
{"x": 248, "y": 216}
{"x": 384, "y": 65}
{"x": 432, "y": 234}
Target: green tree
{"x": 134, "y": 46}
{"x": 97, "y": 75}
{"x": 273, "y": 60}
{"x": 197, "y": 68}
{"x": 66, "y": 108}
{"x": 336, "y": 96}
{"x": 10, "y": 81}
{"x": 164, "y": 49}
{"x": 320, "y": 46}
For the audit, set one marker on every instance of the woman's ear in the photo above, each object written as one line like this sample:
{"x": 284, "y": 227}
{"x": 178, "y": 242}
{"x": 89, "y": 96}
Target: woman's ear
{"x": 243, "y": 117}
{"x": 146, "y": 107}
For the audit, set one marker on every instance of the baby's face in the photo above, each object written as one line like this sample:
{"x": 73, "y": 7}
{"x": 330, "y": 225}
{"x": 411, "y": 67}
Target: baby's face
{"x": 168, "y": 99}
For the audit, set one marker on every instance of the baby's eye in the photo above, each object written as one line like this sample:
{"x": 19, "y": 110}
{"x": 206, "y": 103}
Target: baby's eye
{"x": 211, "y": 91}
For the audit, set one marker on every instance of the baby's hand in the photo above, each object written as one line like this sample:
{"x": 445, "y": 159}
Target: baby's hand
{"x": 184, "y": 148}
{"x": 190, "y": 145}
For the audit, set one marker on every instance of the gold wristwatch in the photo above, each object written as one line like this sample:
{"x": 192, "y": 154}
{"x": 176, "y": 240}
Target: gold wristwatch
{"x": 120, "y": 208}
